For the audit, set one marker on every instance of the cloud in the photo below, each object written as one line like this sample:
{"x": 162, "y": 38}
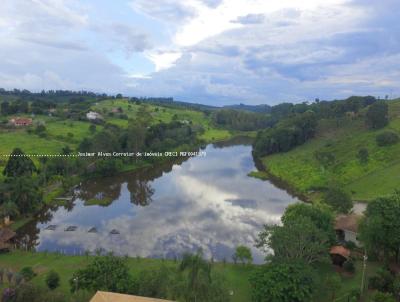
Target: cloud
{"x": 216, "y": 51}
{"x": 250, "y": 19}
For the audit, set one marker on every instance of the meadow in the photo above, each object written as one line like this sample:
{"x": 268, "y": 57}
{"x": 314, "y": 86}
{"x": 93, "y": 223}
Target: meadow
{"x": 300, "y": 169}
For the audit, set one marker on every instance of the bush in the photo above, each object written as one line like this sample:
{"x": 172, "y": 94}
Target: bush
{"x": 349, "y": 266}
{"x": 382, "y": 297}
{"x": 27, "y": 273}
{"x": 387, "y": 138}
{"x": 382, "y": 281}
{"x": 52, "y": 280}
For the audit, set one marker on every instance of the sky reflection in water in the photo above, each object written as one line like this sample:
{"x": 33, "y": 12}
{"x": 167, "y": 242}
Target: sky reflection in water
{"x": 205, "y": 202}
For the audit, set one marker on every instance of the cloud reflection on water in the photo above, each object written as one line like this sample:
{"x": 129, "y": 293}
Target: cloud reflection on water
{"x": 208, "y": 203}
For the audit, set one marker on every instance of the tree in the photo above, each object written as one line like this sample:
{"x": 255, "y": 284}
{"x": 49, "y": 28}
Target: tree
{"x": 338, "y": 199}
{"x": 332, "y": 285}
{"x": 19, "y": 164}
{"x": 282, "y": 282}
{"x": 380, "y": 227}
{"x": 108, "y": 273}
{"x": 155, "y": 283}
{"x": 382, "y": 297}
{"x": 296, "y": 239}
{"x": 8, "y": 209}
{"x": 320, "y": 215}
{"x": 377, "y": 115}
{"x": 52, "y": 280}
{"x": 387, "y": 138}
{"x": 243, "y": 254}
{"x": 136, "y": 137}
{"x": 197, "y": 282}
{"x": 25, "y": 193}
{"x": 363, "y": 155}
{"x": 27, "y": 273}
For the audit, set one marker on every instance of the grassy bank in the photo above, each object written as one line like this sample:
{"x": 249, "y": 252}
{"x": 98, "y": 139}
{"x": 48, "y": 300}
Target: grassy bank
{"x": 237, "y": 276}
{"x": 300, "y": 169}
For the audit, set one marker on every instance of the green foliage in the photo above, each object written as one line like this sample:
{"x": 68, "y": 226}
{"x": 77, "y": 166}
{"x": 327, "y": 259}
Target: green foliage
{"x": 382, "y": 281}
{"x": 241, "y": 120}
{"x": 282, "y": 282}
{"x": 332, "y": 286}
{"x": 108, "y": 273}
{"x": 197, "y": 282}
{"x": 338, "y": 199}
{"x": 363, "y": 155}
{"x": 377, "y": 115}
{"x": 243, "y": 255}
{"x": 286, "y": 135}
{"x": 27, "y": 273}
{"x": 52, "y": 280}
{"x": 387, "y": 138}
{"x": 156, "y": 283}
{"x": 23, "y": 192}
{"x": 297, "y": 239}
{"x": 382, "y": 297}
{"x": 380, "y": 227}
{"x": 19, "y": 165}
{"x": 320, "y": 215}
{"x": 349, "y": 266}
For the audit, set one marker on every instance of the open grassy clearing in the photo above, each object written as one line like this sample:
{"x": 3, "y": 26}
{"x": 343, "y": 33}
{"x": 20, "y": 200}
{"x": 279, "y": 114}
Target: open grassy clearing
{"x": 301, "y": 170}
{"x": 237, "y": 276}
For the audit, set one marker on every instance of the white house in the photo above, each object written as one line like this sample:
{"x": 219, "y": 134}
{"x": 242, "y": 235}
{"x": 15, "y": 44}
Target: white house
{"x": 346, "y": 227}
{"x": 91, "y": 115}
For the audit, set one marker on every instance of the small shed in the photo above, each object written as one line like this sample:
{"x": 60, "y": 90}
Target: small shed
{"x": 346, "y": 227}
{"x": 339, "y": 254}
{"x": 6, "y": 237}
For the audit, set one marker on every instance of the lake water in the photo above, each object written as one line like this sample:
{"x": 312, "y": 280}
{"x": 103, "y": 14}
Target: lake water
{"x": 206, "y": 203}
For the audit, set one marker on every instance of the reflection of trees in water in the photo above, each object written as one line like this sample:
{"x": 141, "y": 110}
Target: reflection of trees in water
{"x": 106, "y": 188}
{"x": 141, "y": 192}
{"x": 238, "y": 140}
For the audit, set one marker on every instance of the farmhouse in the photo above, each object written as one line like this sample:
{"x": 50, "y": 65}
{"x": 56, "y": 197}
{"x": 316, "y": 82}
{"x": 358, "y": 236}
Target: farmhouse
{"x": 346, "y": 227}
{"x": 20, "y": 121}
{"x": 92, "y": 116}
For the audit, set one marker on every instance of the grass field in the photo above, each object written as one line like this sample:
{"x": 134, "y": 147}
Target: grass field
{"x": 301, "y": 170}
{"x": 237, "y": 276}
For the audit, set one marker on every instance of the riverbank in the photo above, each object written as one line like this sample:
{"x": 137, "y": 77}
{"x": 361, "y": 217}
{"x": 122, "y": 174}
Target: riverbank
{"x": 55, "y": 191}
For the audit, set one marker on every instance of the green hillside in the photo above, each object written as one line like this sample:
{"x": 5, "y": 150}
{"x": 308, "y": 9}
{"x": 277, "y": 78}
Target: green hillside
{"x": 343, "y": 139}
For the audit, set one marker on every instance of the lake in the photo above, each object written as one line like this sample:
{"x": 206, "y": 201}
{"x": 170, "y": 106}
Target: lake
{"x": 206, "y": 203}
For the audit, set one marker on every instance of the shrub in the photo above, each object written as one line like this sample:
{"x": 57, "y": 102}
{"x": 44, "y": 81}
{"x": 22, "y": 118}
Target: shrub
{"x": 349, "y": 266}
{"x": 52, "y": 280}
{"x": 387, "y": 138}
{"x": 382, "y": 297}
{"x": 27, "y": 273}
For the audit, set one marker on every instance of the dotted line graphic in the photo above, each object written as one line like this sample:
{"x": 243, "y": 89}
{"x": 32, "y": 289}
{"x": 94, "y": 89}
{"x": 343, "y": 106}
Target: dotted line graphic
{"x": 39, "y": 155}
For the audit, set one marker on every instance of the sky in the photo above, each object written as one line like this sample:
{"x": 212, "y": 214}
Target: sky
{"x": 215, "y": 52}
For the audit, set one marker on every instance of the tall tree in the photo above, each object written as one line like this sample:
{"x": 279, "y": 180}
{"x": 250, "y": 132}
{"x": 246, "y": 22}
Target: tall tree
{"x": 320, "y": 215}
{"x": 380, "y": 227}
{"x": 282, "y": 282}
{"x": 19, "y": 164}
{"x": 296, "y": 239}
{"x": 377, "y": 115}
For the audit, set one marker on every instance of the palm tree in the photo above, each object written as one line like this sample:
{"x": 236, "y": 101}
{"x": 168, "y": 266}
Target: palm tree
{"x": 199, "y": 271}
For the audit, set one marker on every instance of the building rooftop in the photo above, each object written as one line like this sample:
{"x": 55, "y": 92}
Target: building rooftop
{"x": 6, "y": 234}
{"x": 340, "y": 250}
{"x": 347, "y": 222}
{"x": 101, "y": 296}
